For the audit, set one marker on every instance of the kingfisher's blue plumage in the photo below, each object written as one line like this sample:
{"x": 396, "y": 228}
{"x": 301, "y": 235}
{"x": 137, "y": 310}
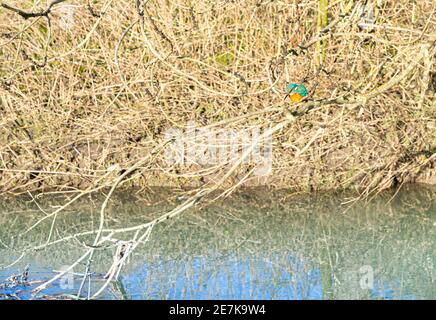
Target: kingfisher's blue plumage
{"x": 297, "y": 88}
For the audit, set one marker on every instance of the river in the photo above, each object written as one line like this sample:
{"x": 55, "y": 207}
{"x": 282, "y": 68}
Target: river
{"x": 257, "y": 244}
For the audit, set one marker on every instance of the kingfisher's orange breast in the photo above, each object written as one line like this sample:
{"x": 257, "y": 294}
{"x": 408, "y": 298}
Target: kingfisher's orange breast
{"x": 296, "y": 97}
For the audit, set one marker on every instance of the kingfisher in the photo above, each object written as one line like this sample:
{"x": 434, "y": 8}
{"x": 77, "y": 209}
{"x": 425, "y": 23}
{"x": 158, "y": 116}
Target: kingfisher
{"x": 296, "y": 92}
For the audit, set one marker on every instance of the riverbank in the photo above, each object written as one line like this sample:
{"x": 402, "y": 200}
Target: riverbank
{"x": 91, "y": 97}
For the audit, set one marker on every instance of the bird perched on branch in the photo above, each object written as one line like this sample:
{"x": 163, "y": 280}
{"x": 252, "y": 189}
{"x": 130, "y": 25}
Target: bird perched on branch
{"x": 296, "y": 92}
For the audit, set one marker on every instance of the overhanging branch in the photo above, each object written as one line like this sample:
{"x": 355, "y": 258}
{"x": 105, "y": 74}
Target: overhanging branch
{"x": 27, "y": 15}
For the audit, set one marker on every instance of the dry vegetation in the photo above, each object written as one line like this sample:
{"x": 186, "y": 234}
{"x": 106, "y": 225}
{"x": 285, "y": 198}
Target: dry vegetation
{"x": 77, "y": 98}
{"x": 85, "y": 105}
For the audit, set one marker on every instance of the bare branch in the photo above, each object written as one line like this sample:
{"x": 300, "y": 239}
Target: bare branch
{"x": 27, "y": 15}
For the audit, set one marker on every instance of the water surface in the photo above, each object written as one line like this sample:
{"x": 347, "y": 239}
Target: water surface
{"x": 257, "y": 244}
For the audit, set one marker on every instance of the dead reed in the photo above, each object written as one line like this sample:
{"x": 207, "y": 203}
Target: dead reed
{"x": 88, "y": 91}
{"x": 78, "y": 98}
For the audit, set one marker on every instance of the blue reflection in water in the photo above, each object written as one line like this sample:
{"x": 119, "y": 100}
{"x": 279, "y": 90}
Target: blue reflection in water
{"x": 233, "y": 278}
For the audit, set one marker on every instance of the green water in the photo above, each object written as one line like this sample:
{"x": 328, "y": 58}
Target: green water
{"x": 257, "y": 244}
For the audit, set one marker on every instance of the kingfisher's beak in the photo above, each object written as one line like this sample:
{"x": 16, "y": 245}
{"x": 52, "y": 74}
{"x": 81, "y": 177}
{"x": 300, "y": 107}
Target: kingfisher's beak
{"x": 288, "y": 94}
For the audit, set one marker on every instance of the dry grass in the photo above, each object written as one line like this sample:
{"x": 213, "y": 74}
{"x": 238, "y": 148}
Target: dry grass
{"x": 75, "y": 102}
{"x": 86, "y": 108}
